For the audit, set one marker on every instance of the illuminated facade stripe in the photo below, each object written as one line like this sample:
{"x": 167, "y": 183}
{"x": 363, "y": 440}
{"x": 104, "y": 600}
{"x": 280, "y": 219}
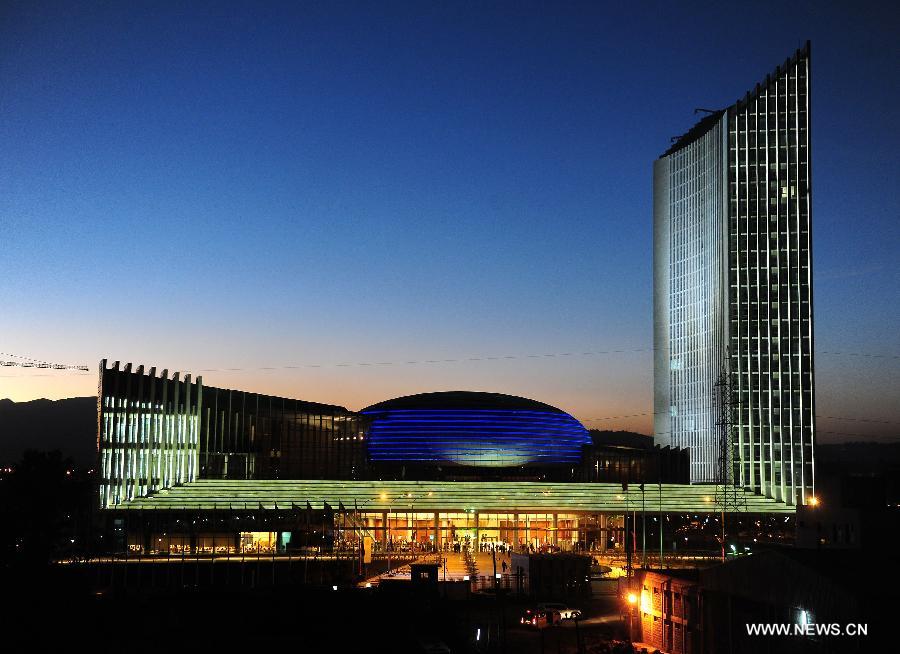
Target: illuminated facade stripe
{"x": 481, "y": 497}
{"x": 476, "y": 437}
{"x": 733, "y": 274}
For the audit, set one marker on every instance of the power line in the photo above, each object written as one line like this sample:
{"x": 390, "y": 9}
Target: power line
{"x": 860, "y": 354}
{"x": 40, "y": 363}
{"x": 507, "y": 357}
{"x": 492, "y": 358}
{"x": 74, "y": 373}
{"x": 878, "y": 421}
{"x": 845, "y": 433}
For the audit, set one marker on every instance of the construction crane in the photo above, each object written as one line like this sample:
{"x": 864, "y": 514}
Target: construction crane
{"x": 28, "y": 362}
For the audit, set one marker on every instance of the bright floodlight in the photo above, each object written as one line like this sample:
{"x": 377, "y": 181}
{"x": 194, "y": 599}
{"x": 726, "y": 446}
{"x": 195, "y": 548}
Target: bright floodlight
{"x": 632, "y": 598}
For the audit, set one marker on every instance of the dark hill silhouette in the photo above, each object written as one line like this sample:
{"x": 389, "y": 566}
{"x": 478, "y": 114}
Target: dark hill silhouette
{"x": 69, "y": 426}
{"x": 620, "y": 438}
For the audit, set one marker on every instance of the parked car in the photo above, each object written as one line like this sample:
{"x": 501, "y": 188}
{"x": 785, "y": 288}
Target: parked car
{"x": 565, "y": 612}
{"x": 600, "y": 571}
{"x": 540, "y": 618}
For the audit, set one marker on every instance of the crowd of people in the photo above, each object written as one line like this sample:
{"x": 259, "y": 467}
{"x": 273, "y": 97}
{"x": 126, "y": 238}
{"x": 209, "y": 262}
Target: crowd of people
{"x": 462, "y": 545}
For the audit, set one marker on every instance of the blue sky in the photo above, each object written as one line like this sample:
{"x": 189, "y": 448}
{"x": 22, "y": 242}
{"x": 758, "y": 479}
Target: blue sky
{"x": 216, "y": 185}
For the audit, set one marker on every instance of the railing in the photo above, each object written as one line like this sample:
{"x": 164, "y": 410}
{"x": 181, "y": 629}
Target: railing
{"x": 503, "y": 581}
{"x": 470, "y": 563}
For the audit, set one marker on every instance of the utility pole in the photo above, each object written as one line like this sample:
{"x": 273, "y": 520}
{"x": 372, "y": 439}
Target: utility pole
{"x": 643, "y": 530}
{"x": 660, "y": 513}
{"x": 627, "y": 536}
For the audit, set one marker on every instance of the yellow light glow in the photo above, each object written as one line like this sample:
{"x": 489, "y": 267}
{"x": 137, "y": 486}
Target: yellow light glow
{"x": 383, "y": 497}
{"x": 632, "y": 598}
{"x": 814, "y": 501}
{"x": 646, "y": 604}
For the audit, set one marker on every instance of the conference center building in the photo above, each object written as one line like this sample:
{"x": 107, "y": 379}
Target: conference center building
{"x": 193, "y": 468}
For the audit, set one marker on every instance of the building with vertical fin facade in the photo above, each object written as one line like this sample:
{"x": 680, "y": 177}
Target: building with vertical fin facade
{"x": 732, "y": 292}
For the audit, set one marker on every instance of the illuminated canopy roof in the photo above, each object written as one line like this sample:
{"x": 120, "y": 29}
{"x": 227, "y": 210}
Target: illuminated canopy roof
{"x": 480, "y": 496}
{"x": 473, "y": 429}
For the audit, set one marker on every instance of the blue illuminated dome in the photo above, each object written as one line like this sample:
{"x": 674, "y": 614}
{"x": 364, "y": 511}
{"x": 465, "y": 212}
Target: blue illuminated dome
{"x": 473, "y": 429}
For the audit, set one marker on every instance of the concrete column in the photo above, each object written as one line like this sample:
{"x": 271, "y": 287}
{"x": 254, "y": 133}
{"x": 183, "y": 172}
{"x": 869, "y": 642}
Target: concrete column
{"x": 477, "y": 534}
{"x": 515, "y": 530}
{"x": 384, "y": 528}
{"x": 604, "y": 535}
{"x": 437, "y": 532}
{"x": 555, "y": 538}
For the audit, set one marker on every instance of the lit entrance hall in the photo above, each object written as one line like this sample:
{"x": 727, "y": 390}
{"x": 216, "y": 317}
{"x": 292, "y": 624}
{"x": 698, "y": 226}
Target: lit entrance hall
{"x": 474, "y": 531}
{"x": 412, "y": 532}
{"x": 328, "y": 516}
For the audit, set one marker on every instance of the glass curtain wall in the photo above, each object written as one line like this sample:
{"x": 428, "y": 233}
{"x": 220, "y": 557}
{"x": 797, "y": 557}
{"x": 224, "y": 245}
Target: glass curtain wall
{"x": 251, "y": 436}
{"x": 466, "y": 530}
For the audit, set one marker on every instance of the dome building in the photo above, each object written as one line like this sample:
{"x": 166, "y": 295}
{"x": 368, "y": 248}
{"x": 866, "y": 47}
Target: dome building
{"x": 472, "y": 429}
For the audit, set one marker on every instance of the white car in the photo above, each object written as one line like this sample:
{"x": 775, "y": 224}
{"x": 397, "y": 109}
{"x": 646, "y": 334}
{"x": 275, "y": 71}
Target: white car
{"x": 565, "y": 612}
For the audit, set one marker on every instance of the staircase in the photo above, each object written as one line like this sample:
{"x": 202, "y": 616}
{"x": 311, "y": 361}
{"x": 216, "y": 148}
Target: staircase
{"x": 457, "y": 567}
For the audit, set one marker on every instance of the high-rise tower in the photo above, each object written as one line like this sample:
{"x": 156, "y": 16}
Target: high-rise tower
{"x": 733, "y": 288}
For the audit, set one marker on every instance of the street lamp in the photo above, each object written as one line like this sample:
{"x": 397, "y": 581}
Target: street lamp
{"x": 629, "y": 537}
{"x": 813, "y": 501}
{"x": 387, "y": 530}
{"x": 632, "y": 601}
{"x": 360, "y": 538}
{"x": 384, "y": 496}
{"x": 412, "y": 507}
{"x": 411, "y": 518}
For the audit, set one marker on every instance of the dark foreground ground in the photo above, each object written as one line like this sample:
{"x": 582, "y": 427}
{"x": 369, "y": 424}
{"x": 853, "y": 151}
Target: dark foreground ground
{"x": 56, "y": 612}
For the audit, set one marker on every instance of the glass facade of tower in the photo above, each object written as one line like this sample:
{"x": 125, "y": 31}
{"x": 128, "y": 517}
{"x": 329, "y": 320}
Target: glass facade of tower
{"x": 733, "y": 288}
{"x": 693, "y": 253}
